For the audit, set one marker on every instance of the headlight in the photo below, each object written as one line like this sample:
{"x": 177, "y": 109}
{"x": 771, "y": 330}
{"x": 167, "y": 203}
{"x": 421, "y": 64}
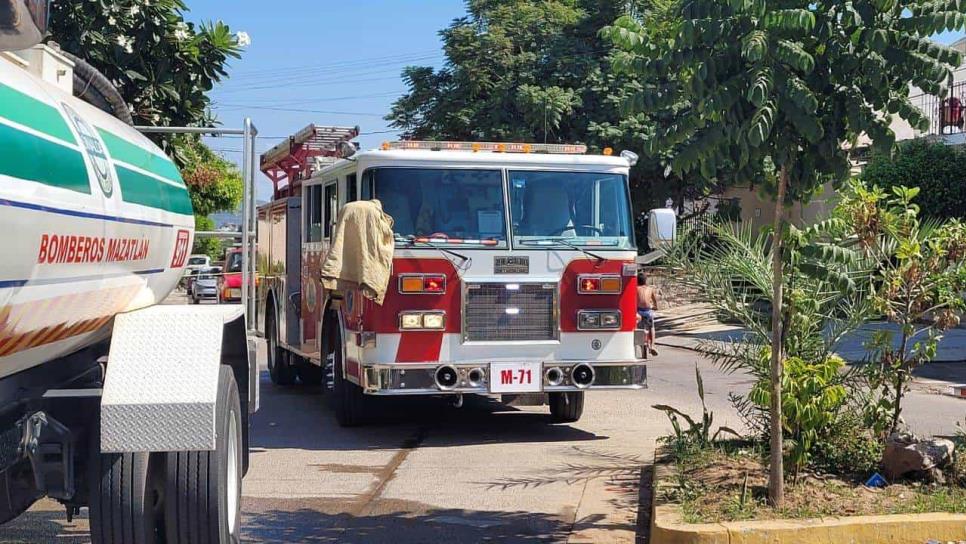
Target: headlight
{"x": 432, "y": 320}
{"x": 410, "y": 321}
{"x": 598, "y": 320}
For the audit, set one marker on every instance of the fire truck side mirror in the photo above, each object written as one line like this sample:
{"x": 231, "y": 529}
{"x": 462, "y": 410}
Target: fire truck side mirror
{"x": 661, "y": 228}
{"x": 23, "y": 23}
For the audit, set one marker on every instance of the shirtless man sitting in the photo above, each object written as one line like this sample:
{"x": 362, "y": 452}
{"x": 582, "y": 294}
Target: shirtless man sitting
{"x": 646, "y": 306}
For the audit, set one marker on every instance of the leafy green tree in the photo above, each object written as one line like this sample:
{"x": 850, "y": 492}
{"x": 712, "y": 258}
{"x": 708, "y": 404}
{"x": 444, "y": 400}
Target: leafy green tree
{"x": 519, "y": 70}
{"x": 214, "y": 185}
{"x": 162, "y": 65}
{"x": 935, "y": 168}
{"x": 783, "y": 86}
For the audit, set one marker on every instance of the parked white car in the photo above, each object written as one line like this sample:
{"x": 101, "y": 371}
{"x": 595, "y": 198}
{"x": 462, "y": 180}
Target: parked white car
{"x": 196, "y": 262}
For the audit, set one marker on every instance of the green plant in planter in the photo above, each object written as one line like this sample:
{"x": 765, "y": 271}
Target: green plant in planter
{"x": 812, "y": 395}
{"x": 698, "y": 434}
{"x": 919, "y": 278}
{"x": 825, "y": 296}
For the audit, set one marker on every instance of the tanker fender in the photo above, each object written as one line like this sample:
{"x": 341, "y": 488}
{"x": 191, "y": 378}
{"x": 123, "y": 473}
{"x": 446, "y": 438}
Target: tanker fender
{"x": 161, "y": 384}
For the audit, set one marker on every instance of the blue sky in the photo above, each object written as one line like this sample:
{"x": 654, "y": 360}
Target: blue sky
{"x": 337, "y": 61}
{"x": 340, "y": 58}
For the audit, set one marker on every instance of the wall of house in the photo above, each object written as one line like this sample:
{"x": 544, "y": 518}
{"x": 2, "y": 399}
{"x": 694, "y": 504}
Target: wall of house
{"x": 759, "y": 210}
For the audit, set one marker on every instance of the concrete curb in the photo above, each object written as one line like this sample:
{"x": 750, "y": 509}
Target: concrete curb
{"x": 667, "y": 526}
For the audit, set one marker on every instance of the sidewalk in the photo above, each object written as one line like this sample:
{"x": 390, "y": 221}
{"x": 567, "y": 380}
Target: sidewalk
{"x": 689, "y": 325}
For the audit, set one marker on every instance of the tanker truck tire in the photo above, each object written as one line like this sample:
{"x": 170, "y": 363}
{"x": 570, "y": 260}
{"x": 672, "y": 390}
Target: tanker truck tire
{"x": 203, "y": 488}
{"x": 280, "y": 368}
{"x": 126, "y": 498}
{"x": 348, "y": 400}
{"x": 566, "y": 407}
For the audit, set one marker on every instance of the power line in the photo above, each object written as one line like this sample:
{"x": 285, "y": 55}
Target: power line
{"x": 306, "y": 100}
{"x": 276, "y": 86}
{"x": 304, "y": 110}
{"x": 368, "y": 133}
{"x": 344, "y": 64}
{"x": 321, "y": 75}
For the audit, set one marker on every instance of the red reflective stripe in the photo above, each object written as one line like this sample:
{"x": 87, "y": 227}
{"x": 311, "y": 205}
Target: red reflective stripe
{"x": 419, "y": 346}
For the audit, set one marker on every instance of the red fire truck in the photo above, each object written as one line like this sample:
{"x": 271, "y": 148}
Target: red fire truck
{"x": 513, "y": 272}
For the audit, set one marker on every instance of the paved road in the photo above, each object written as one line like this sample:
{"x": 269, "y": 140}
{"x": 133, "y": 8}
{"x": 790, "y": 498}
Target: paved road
{"x": 427, "y": 472}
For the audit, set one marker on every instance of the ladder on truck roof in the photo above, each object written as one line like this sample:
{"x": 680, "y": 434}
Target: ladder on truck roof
{"x": 290, "y": 160}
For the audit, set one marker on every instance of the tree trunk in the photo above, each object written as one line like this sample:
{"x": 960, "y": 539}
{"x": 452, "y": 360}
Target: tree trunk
{"x": 900, "y": 382}
{"x": 776, "y": 476}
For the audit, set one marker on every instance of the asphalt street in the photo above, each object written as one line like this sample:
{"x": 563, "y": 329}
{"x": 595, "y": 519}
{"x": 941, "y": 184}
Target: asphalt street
{"x": 426, "y": 471}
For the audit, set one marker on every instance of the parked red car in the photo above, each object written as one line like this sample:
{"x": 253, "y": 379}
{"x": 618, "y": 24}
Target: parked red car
{"x": 231, "y": 282}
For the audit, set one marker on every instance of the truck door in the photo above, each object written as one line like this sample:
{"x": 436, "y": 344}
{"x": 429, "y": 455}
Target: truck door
{"x": 311, "y": 247}
{"x": 322, "y": 202}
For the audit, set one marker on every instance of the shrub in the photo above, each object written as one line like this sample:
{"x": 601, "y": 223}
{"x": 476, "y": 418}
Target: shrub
{"x": 812, "y": 395}
{"x": 935, "y": 168}
{"x": 848, "y": 448}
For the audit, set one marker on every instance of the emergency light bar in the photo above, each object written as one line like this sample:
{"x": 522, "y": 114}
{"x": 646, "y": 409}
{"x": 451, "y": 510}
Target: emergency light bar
{"x": 492, "y": 147}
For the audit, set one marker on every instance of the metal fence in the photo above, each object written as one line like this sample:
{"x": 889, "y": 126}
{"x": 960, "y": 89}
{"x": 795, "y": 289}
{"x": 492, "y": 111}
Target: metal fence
{"x": 946, "y": 115}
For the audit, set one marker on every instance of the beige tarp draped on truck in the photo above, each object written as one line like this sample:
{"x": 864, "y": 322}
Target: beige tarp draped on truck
{"x": 361, "y": 253}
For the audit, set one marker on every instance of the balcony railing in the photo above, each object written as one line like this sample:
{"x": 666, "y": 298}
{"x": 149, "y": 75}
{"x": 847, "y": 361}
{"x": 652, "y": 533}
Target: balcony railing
{"x": 946, "y": 115}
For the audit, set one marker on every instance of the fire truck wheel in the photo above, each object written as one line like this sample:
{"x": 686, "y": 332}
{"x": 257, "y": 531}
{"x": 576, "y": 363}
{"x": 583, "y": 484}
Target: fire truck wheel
{"x": 126, "y": 498}
{"x": 348, "y": 400}
{"x": 203, "y": 488}
{"x": 280, "y": 369}
{"x": 566, "y": 407}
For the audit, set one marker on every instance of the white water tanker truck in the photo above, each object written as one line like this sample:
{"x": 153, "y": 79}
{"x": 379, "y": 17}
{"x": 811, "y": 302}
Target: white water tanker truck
{"x": 108, "y": 400}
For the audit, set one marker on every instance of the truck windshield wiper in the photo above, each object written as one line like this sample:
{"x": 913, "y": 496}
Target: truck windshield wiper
{"x": 536, "y": 241}
{"x": 411, "y": 240}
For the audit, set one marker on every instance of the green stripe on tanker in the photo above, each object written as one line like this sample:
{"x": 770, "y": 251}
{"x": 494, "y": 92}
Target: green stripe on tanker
{"x": 26, "y": 110}
{"x": 124, "y": 151}
{"x": 136, "y": 188}
{"x": 62, "y": 166}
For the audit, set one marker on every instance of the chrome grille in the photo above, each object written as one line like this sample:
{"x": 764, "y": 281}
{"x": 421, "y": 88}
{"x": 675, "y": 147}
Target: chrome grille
{"x": 491, "y": 312}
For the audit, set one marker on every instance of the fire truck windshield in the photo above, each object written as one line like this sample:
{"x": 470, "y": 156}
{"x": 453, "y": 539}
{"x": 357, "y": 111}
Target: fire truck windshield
{"x": 570, "y": 209}
{"x": 461, "y": 206}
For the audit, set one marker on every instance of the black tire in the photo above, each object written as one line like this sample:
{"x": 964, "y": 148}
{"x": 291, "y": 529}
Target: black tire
{"x": 566, "y": 407}
{"x": 347, "y": 399}
{"x": 198, "y": 483}
{"x": 280, "y": 368}
{"x": 127, "y": 498}
{"x": 309, "y": 374}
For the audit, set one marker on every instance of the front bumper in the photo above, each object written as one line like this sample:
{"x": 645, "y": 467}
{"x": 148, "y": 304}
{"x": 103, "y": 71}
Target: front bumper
{"x": 418, "y": 378}
{"x": 210, "y": 292}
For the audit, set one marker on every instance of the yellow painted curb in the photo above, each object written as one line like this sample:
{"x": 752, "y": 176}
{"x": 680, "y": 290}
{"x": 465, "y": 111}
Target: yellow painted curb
{"x": 667, "y": 526}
